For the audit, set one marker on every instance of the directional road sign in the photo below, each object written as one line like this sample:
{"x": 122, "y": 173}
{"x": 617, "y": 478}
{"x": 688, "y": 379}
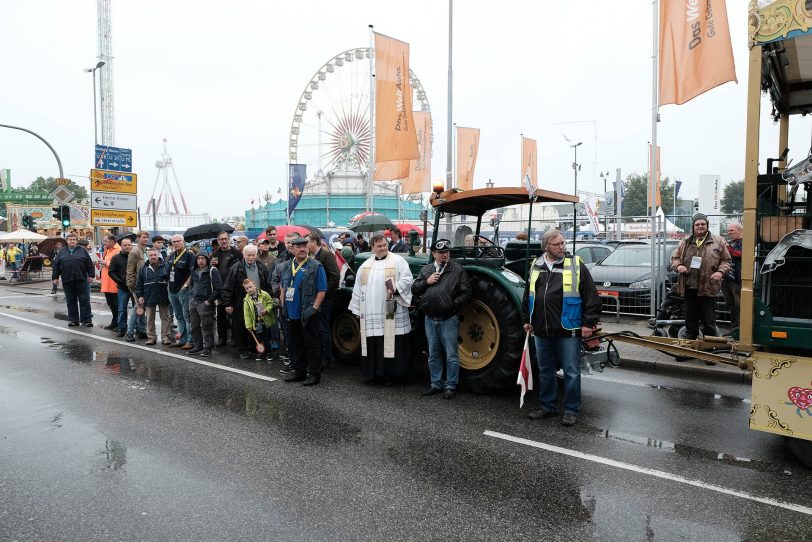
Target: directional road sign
{"x": 113, "y": 200}
{"x": 104, "y": 217}
{"x": 113, "y": 181}
{"x": 113, "y": 158}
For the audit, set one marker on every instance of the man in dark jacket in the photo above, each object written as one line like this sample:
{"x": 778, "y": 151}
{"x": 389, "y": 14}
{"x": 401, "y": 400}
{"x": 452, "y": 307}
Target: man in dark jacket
{"x": 234, "y": 294}
{"x": 563, "y": 308}
{"x": 304, "y": 284}
{"x": 327, "y": 259}
{"x": 118, "y": 272}
{"x": 223, "y": 257}
{"x": 206, "y": 288}
{"x": 276, "y": 288}
{"x": 75, "y": 267}
{"x": 443, "y": 288}
{"x": 398, "y": 245}
{"x": 151, "y": 291}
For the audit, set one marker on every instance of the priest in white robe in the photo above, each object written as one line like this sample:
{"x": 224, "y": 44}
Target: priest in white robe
{"x": 380, "y": 299}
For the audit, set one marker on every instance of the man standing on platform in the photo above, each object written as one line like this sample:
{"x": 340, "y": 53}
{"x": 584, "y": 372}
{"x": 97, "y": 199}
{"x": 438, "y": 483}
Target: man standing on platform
{"x": 381, "y": 298}
{"x": 74, "y": 266}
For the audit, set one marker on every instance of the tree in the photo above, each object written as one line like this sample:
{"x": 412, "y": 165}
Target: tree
{"x": 49, "y": 185}
{"x": 635, "y": 197}
{"x": 733, "y": 197}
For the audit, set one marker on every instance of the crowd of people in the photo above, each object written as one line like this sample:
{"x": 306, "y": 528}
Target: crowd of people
{"x": 274, "y": 299}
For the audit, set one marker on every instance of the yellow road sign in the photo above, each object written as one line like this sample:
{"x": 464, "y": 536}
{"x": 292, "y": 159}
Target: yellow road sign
{"x": 102, "y": 180}
{"x": 62, "y": 181}
{"x": 106, "y": 217}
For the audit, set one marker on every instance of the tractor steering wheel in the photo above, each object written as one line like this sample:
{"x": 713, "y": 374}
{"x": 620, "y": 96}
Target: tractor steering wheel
{"x": 485, "y": 248}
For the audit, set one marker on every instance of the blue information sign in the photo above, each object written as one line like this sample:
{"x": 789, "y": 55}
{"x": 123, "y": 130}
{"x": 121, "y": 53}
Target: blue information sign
{"x": 113, "y": 158}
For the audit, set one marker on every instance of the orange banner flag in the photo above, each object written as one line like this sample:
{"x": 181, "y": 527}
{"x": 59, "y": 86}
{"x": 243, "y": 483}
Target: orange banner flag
{"x": 395, "y": 132}
{"x": 529, "y": 163}
{"x": 657, "y": 176}
{"x": 467, "y": 150}
{"x": 391, "y": 171}
{"x": 695, "y": 50}
{"x": 420, "y": 170}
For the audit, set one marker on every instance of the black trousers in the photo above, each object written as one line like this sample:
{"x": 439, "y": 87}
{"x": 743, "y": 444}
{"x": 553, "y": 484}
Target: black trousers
{"x": 306, "y": 342}
{"x": 699, "y": 307}
{"x": 112, "y": 302}
{"x": 223, "y": 323}
{"x": 239, "y": 334}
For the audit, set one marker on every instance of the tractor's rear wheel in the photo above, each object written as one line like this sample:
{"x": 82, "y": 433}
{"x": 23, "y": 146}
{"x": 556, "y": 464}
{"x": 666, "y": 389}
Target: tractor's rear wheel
{"x": 346, "y": 337}
{"x": 490, "y": 338}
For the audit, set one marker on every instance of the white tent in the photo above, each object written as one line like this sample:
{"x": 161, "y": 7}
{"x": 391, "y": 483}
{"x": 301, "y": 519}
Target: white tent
{"x": 21, "y": 236}
{"x": 670, "y": 227}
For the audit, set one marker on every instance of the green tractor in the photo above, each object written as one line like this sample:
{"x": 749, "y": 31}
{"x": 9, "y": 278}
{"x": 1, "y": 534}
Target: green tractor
{"x": 491, "y": 337}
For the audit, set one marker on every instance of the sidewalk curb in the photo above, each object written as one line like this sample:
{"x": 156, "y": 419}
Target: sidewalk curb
{"x": 687, "y": 368}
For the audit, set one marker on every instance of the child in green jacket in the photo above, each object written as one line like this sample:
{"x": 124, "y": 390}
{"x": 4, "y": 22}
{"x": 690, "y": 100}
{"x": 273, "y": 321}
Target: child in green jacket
{"x": 258, "y": 313}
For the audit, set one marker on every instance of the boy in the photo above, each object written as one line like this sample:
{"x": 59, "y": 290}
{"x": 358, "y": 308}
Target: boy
{"x": 258, "y": 313}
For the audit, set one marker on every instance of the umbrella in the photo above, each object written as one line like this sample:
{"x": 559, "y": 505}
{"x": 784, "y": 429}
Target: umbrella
{"x": 371, "y": 223}
{"x": 131, "y": 236}
{"x": 206, "y": 231}
{"x": 47, "y": 246}
{"x": 282, "y": 231}
{"x": 405, "y": 228}
{"x": 22, "y": 236}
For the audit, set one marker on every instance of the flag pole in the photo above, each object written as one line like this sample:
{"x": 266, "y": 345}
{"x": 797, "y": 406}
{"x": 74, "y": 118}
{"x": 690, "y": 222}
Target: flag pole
{"x": 371, "y": 172}
{"x": 449, "y": 179}
{"x": 653, "y": 148}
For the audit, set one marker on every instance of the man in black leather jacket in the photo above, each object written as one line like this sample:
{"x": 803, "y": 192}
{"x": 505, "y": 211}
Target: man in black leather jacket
{"x": 443, "y": 288}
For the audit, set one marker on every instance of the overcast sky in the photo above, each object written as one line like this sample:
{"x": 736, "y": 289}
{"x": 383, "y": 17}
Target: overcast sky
{"x": 221, "y": 80}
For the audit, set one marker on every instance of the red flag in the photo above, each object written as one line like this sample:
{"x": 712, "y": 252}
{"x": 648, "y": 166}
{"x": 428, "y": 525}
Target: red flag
{"x": 342, "y": 264}
{"x": 525, "y": 379}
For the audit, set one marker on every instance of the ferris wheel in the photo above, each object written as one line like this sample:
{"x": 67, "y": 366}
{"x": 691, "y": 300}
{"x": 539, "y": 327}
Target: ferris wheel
{"x": 331, "y": 131}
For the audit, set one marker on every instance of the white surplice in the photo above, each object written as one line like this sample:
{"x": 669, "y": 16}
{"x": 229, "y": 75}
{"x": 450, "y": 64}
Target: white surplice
{"x": 374, "y": 295}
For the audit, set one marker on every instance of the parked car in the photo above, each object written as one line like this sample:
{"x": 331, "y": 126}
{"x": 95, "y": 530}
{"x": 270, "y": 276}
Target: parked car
{"x": 625, "y": 274}
{"x": 614, "y": 243}
{"x": 590, "y": 251}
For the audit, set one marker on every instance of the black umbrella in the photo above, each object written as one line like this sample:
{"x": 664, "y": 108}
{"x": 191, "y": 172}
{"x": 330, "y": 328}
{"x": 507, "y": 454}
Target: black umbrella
{"x": 371, "y": 223}
{"x": 131, "y": 236}
{"x": 205, "y": 231}
{"x": 314, "y": 230}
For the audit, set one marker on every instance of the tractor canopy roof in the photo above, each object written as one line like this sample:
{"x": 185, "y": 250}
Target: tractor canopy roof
{"x": 481, "y": 200}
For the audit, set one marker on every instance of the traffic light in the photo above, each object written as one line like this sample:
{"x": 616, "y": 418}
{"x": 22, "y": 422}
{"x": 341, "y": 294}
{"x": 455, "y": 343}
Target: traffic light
{"x": 28, "y": 222}
{"x": 64, "y": 216}
{"x": 57, "y": 214}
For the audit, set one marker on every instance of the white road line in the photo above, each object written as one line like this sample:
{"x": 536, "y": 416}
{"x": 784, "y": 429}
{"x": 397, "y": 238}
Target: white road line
{"x": 153, "y": 351}
{"x": 27, "y": 296}
{"x": 651, "y": 472}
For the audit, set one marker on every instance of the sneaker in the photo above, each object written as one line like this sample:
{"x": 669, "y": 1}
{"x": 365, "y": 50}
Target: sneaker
{"x": 166, "y": 343}
{"x": 88, "y": 324}
{"x": 151, "y": 342}
{"x": 540, "y": 414}
{"x": 194, "y": 351}
{"x": 431, "y": 391}
{"x": 245, "y": 355}
{"x": 111, "y": 327}
{"x": 187, "y": 346}
{"x": 129, "y": 337}
{"x": 121, "y": 333}
{"x": 569, "y": 419}
{"x": 449, "y": 394}
{"x": 73, "y": 324}
{"x": 206, "y": 353}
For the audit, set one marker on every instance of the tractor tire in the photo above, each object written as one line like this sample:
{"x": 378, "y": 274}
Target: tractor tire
{"x": 346, "y": 337}
{"x": 491, "y": 338}
{"x": 802, "y": 450}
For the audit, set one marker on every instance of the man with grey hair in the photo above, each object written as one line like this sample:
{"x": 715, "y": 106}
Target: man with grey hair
{"x": 732, "y": 283}
{"x": 234, "y": 294}
{"x": 179, "y": 266}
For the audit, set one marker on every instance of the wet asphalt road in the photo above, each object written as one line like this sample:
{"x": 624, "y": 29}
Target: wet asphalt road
{"x": 103, "y": 441}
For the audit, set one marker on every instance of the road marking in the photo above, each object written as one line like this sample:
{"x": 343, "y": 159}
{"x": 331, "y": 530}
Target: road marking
{"x": 144, "y": 348}
{"x": 651, "y": 472}
{"x": 27, "y": 296}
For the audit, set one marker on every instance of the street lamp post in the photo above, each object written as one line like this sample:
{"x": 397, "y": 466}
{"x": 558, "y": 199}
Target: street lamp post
{"x": 575, "y": 168}
{"x": 92, "y": 72}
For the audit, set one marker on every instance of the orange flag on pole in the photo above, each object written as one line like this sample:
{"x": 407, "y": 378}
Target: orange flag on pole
{"x": 391, "y": 171}
{"x": 420, "y": 170}
{"x": 467, "y": 150}
{"x": 395, "y": 131}
{"x": 695, "y": 50}
{"x": 529, "y": 164}
{"x": 657, "y": 176}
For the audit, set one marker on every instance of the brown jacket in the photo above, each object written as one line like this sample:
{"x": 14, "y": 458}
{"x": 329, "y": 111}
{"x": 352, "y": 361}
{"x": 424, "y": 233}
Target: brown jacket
{"x": 715, "y": 257}
{"x": 135, "y": 261}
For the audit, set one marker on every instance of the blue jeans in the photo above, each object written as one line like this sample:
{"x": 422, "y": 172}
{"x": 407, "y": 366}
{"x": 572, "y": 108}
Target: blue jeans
{"x": 550, "y": 353}
{"x": 77, "y": 293}
{"x": 123, "y": 301}
{"x": 180, "y": 305}
{"x": 134, "y": 321}
{"x": 442, "y": 338}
